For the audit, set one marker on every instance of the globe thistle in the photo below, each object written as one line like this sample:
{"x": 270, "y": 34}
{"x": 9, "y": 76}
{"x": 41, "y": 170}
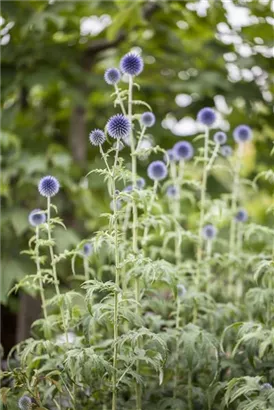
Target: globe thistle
{"x": 183, "y": 150}
{"x": 220, "y": 137}
{"x": 25, "y": 403}
{"x": 87, "y": 249}
{"x": 118, "y": 126}
{"x": 148, "y": 119}
{"x": 181, "y": 291}
{"x": 172, "y": 191}
{"x": 226, "y": 151}
{"x": 169, "y": 155}
{"x": 209, "y": 231}
{"x": 241, "y": 215}
{"x": 242, "y": 133}
{"x": 48, "y": 186}
{"x": 118, "y": 204}
{"x": 206, "y": 116}
{"x": 266, "y": 386}
{"x": 128, "y": 188}
{"x": 97, "y": 137}
{"x": 132, "y": 64}
{"x": 112, "y": 76}
{"x": 36, "y": 217}
{"x": 141, "y": 183}
{"x": 157, "y": 170}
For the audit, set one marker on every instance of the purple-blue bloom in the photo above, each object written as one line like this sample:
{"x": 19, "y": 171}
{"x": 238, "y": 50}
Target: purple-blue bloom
{"x": 140, "y": 183}
{"x": 206, "y": 116}
{"x": 220, "y": 137}
{"x": 157, "y": 170}
{"x": 48, "y": 186}
{"x": 183, "y": 150}
{"x": 242, "y": 133}
{"x": 118, "y": 126}
{"x": 172, "y": 191}
{"x": 169, "y": 155}
{"x": 25, "y": 403}
{"x": 97, "y": 137}
{"x": 181, "y": 290}
{"x": 132, "y": 64}
{"x": 209, "y": 231}
{"x": 226, "y": 151}
{"x": 37, "y": 217}
{"x": 112, "y": 76}
{"x": 241, "y": 215}
{"x": 87, "y": 249}
{"x": 148, "y": 119}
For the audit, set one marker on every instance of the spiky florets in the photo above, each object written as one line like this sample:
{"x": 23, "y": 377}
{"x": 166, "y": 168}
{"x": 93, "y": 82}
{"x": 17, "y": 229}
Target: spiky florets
{"x": 140, "y": 183}
{"x": 132, "y": 64}
{"x": 206, "y": 116}
{"x": 241, "y": 215}
{"x": 118, "y": 126}
{"x": 169, "y": 155}
{"x": 112, "y": 76}
{"x": 226, "y": 151}
{"x": 157, "y": 170}
{"x": 48, "y": 186}
{"x": 242, "y": 133}
{"x": 37, "y": 217}
{"x": 148, "y": 119}
{"x": 183, "y": 150}
{"x": 87, "y": 249}
{"x": 209, "y": 231}
{"x": 97, "y": 137}
{"x": 172, "y": 191}
{"x": 25, "y": 403}
{"x": 220, "y": 137}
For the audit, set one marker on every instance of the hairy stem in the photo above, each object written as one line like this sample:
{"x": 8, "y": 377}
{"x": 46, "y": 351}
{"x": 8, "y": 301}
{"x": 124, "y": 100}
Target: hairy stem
{"x": 149, "y": 208}
{"x": 213, "y": 157}
{"x": 86, "y": 270}
{"x": 42, "y": 293}
{"x": 119, "y": 99}
{"x": 189, "y": 391}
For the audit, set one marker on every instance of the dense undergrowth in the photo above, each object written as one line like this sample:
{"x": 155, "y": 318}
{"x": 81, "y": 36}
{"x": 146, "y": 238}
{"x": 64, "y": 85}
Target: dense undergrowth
{"x": 171, "y": 306}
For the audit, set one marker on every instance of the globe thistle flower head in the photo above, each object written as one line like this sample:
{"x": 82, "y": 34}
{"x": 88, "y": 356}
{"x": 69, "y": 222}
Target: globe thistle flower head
{"x": 48, "y": 186}
{"x": 112, "y": 76}
{"x": 36, "y": 217}
{"x": 266, "y": 386}
{"x": 209, "y": 232}
{"x": 141, "y": 183}
{"x": 97, "y": 137}
{"x": 118, "y": 126}
{"x": 172, "y": 191}
{"x": 132, "y": 64}
{"x": 183, "y": 150}
{"x": 242, "y": 133}
{"x": 25, "y": 403}
{"x": 220, "y": 138}
{"x": 157, "y": 170}
{"x": 241, "y": 215}
{"x": 226, "y": 151}
{"x": 181, "y": 290}
{"x": 148, "y": 119}
{"x": 87, "y": 249}
{"x": 169, "y": 155}
{"x": 128, "y": 188}
{"x": 206, "y": 116}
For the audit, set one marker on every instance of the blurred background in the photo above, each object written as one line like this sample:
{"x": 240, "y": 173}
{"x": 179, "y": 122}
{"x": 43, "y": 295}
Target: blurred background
{"x": 54, "y": 54}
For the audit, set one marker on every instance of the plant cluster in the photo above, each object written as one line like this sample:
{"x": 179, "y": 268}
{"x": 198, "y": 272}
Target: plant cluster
{"x": 165, "y": 311}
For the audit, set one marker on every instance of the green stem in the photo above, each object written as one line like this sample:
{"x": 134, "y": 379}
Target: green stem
{"x": 141, "y": 137}
{"x": 189, "y": 391}
{"x": 208, "y": 256}
{"x": 119, "y": 99}
{"x": 213, "y": 157}
{"x": 149, "y": 208}
{"x": 42, "y": 293}
{"x": 86, "y": 266}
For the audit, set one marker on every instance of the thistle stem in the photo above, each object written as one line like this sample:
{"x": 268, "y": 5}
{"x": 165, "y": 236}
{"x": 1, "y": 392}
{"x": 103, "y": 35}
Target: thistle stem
{"x": 119, "y": 99}
{"x": 189, "y": 391}
{"x": 150, "y": 204}
{"x": 86, "y": 266}
{"x": 213, "y": 157}
{"x": 141, "y": 137}
{"x": 42, "y": 293}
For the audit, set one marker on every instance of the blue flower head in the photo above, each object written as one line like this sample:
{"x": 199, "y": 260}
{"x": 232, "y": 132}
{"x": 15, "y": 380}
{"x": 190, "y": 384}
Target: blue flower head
{"x": 157, "y": 170}
{"x": 112, "y": 76}
{"x": 181, "y": 291}
{"x": 242, "y": 133}
{"x": 209, "y": 231}
{"x": 183, "y": 150}
{"x": 128, "y": 188}
{"x": 220, "y": 137}
{"x": 141, "y": 183}
{"x": 87, "y": 249}
{"x": 118, "y": 126}
{"x": 132, "y": 64}
{"x": 169, "y": 155}
{"x": 97, "y": 137}
{"x": 48, "y": 186}
{"x": 172, "y": 191}
{"x": 25, "y": 403}
{"x": 206, "y": 116}
{"x": 226, "y": 151}
{"x": 241, "y": 215}
{"x": 37, "y": 217}
{"x": 148, "y": 119}
{"x": 266, "y": 386}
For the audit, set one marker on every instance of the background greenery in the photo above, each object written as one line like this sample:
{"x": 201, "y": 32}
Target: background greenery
{"x": 53, "y": 94}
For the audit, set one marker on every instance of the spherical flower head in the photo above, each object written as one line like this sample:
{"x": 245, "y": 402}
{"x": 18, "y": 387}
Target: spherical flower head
{"x": 118, "y": 126}
{"x": 148, "y": 119}
{"x": 209, "y": 232}
{"x": 241, "y": 215}
{"x": 220, "y": 138}
{"x": 25, "y": 403}
{"x": 36, "y": 217}
{"x": 206, "y": 116}
{"x": 172, "y": 191}
{"x": 132, "y": 64}
{"x": 181, "y": 291}
{"x": 183, "y": 150}
{"x": 169, "y": 155}
{"x": 141, "y": 183}
{"x": 128, "y": 188}
{"x": 97, "y": 137}
{"x": 266, "y": 386}
{"x": 48, "y": 186}
{"x": 242, "y": 133}
{"x": 112, "y": 76}
{"x": 87, "y": 249}
{"x": 226, "y": 151}
{"x": 157, "y": 170}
